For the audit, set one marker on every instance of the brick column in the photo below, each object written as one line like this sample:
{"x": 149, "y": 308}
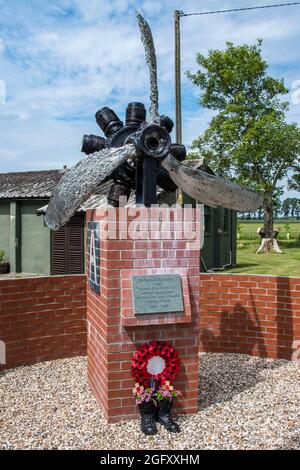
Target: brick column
{"x": 114, "y": 332}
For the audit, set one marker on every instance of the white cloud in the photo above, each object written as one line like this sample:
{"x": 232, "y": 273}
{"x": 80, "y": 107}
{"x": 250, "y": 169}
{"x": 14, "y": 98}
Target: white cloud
{"x": 94, "y": 10}
{"x": 66, "y": 59}
{"x": 193, "y": 124}
{"x": 2, "y": 46}
{"x": 40, "y": 144}
{"x": 151, "y": 7}
{"x": 2, "y": 92}
{"x": 7, "y": 115}
{"x": 86, "y": 47}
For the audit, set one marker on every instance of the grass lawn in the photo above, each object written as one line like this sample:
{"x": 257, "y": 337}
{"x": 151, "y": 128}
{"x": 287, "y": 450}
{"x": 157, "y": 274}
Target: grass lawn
{"x": 248, "y": 228}
{"x": 285, "y": 264}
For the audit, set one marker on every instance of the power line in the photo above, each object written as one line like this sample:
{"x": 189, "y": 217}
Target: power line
{"x": 239, "y": 9}
{"x": 177, "y": 15}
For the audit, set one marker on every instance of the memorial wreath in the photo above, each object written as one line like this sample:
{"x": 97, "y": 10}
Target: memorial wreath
{"x": 160, "y": 351}
{"x": 154, "y": 366}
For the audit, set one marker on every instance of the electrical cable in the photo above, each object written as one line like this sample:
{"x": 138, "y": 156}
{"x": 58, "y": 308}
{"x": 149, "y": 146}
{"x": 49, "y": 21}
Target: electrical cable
{"x": 239, "y": 9}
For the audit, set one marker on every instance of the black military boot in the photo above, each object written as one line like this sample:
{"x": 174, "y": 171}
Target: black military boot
{"x": 164, "y": 416}
{"x": 148, "y": 412}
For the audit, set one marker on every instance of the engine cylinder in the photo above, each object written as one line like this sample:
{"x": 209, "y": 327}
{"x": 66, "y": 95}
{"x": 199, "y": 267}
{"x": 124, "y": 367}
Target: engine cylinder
{"x": 135, "y": 113}
{"x": 92, "y": 143}
{"x": 178, "y": 151}
{"x": 167, "y": 123}
{"x": 108, "y": 121}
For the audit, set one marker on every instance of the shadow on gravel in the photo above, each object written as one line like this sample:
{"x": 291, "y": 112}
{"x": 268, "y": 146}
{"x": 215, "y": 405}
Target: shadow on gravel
{"x": 290, "y": 443}
{"x": 222, "y": 376}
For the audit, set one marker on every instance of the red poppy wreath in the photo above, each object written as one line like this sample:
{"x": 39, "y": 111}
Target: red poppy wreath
{"x": 155, "y": 360}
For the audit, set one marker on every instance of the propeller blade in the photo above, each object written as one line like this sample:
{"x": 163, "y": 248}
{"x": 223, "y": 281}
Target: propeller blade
{"x": 211, "y": 190}
{"x": 77, "y": 185}
{"x": 147, "y": 40}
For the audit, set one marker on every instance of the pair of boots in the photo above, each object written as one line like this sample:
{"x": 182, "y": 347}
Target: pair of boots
{"x": 161, "y": 413}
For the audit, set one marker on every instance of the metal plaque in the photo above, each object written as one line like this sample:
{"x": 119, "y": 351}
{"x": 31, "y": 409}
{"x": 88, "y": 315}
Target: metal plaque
{"x": 157, "y": 293}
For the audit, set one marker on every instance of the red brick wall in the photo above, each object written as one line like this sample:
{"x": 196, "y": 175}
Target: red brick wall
{"x": 42, "y": 318}
{"x": 252, "y": 314}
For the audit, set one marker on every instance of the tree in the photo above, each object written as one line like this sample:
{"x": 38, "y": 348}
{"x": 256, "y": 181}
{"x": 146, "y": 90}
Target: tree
{"x": 294, "y": 204}
{"x": 290, "y": 207}
{"x": 248, "y": 139}
{"x": 295, "y": 180}
{"x": 276, "y": 208}
{"x": 286, "y": 207}
{"x": 297, "y": 211}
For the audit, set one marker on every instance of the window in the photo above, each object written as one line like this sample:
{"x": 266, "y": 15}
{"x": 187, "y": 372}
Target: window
{"x": 207, "y": 220}
{"x": 67, "y": 248}
{"x": 226, "y": 221}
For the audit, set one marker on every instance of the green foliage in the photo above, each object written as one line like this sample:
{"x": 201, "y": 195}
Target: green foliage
{"x": 295, "y": 180}
{"x": 236, "y": 77}
{"x": 248, "y": 140}
{"x": 291, "y": 207}
{"x": 2, "y": 255}
{"x": 285, "y": 264}
{"x": 166, "y": 392}
{"x": 248, "y": 231}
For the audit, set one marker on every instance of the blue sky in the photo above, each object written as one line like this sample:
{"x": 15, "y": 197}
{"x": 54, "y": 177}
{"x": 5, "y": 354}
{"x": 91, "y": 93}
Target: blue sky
{"x": 62, "y": 60}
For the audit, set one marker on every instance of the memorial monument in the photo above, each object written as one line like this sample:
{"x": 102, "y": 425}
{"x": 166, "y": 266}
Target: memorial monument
{"x": 142, "y": 261}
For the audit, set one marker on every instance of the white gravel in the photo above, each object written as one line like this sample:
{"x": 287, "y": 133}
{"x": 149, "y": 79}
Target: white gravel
{"x": 245, "y": 403}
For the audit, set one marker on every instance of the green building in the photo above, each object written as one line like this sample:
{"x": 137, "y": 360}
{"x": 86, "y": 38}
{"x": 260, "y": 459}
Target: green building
{"x": 31, "y": 247}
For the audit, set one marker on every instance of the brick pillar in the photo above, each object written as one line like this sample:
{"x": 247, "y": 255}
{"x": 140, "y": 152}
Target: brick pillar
{"x": 114, "y": 332}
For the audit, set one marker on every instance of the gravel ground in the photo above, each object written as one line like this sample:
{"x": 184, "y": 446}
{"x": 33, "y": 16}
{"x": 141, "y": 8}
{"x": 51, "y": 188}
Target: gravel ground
{"x": 245, "y": 403}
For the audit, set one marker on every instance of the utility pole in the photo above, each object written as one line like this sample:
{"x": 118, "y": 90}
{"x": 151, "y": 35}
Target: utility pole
{"x": 177, "y": 14}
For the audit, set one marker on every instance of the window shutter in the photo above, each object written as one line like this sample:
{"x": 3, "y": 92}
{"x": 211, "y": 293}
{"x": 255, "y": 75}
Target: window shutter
{"x": 75, "y": 245}
{"x": 58, "y": 252}
{"x": 67, "y": 248}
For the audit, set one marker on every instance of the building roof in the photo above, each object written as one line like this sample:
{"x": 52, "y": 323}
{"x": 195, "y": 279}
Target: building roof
{"x": 29, "y": 184}
{"x": 99, "y": 199}
{"x": 41, "y": 184}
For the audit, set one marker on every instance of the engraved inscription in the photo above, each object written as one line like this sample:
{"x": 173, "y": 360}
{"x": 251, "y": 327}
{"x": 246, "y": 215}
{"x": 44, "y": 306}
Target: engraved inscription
{"x": 159, "y": 293}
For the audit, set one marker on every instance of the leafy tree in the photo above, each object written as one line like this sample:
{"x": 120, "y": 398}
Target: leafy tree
{"x": 291, "y": 207}
{"x": 259, "y": 213}
{"x": 276, "y": 208}
{"x": 295, "y": 180}
{"x": 297, "y": 210}
{"x": 294, "y": 204}
{"x": 248, "y": 139}
{"x": 286, "y": 207}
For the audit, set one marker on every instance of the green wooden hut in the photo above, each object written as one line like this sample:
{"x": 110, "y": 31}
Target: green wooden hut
{"x": 32, "y": 248}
